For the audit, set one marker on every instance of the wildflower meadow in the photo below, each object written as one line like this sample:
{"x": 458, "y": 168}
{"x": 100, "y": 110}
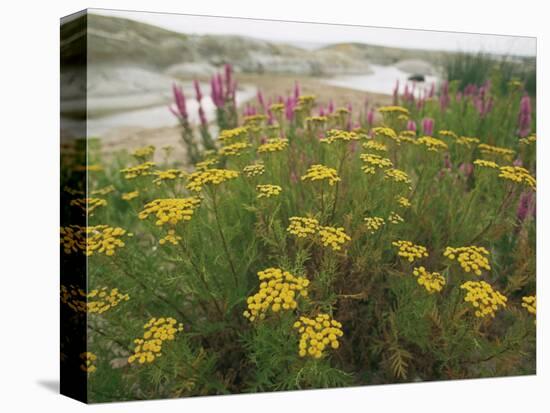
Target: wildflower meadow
{"x": 306, "y": 244}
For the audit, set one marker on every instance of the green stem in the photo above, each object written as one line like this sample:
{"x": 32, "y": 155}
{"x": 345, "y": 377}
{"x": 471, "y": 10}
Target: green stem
{"x": 224, "y": 242}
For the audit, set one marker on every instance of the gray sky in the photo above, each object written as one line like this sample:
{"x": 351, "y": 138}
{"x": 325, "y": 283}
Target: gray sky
{"x": 310, "y": 35}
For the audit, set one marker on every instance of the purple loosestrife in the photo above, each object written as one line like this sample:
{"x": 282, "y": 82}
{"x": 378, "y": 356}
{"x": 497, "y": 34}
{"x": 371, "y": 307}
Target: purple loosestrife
{"x": 396, "y": 93}
{"x": 216, "y": 93}
{"x": 228, "y": 72}
{"x": 198, "y": 92}
{"x": 444, "y": 98}
{"x": 427, "y": 126}
{"x": 524, "y": 117}
{"x": 289, "y": 108}
{"x": 370, "y": 117}
{"x": 202, "y": 117}
{"x": 180, "y": 109}
{"x": 482, "y": 101}
{"x": 296, "y": 91}
{"x": 411, "y": 125}
{"x": 261, "y": 100}
{"x": 467, "y": 169}
{"x": 526, "y": 206}
{"x": 330, "y": 108}
{"x": 431, "y": 93}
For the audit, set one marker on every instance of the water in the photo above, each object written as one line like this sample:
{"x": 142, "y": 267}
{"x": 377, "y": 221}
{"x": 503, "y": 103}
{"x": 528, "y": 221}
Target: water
{"x": 381, "y": 80}
{"x": 159, "y": 116}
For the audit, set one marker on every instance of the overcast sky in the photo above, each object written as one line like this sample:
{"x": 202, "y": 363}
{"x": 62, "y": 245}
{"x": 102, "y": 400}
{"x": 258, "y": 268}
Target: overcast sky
{"x": 310, "y": 35}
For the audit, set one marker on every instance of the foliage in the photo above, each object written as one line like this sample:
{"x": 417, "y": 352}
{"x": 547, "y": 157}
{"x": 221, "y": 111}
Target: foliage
{"x": 283, "y": 233}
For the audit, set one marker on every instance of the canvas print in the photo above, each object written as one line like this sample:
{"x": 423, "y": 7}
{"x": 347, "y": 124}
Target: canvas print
{"x": 255, "y": 206}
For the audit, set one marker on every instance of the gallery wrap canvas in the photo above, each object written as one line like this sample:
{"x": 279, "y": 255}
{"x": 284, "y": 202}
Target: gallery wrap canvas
{"x": 256, "y": 206}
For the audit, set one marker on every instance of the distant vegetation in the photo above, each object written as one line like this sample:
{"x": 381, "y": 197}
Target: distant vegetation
{"x": 474, "y": 69}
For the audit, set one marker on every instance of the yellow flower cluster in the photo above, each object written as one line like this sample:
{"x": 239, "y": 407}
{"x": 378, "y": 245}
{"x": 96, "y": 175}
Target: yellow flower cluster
{"x": 309, "y": 227}
{"x": 170, "y": 210}
{"x": 101, "y": 300}
{"x": 404, "y": 202}
{"x": 97, "y": 301}
{"x": 375, "y": 146}
{"x": 316, "y": 120}
{"x": 138, "y": 170}
{"x": 374, "y": 223}
{"x": 144, "y": 153}
{"x": 268, "y": 191}
{"x": 394, "y": 109}
{"x": 277, "y": 107}
{"x": 470, "y": 258}
{"x": 88, "y": 205}
{"x": 483, "y": 298}
{"x": 316, "y": 334}
{"x": 168, "y": 175}
{"x": 467, "y": 141}
{"x": 74, "y": 297}
{"x": 278, "y": 291}
{"x": 397, "y": 175}
{"x": 254, "y": 120}
{"x": 307, "y": 99}
{"x": 232, "y": 135}
{"x": 486, "y": 164}
{"x": 254, "y": 170}
{"x": 342, "y": 111}
{"x": 128, "y": 196}
{"x": 234, "y": 149}
{"x": 448, "y": 133}
{"x": 72, "y": 191}
{"x": 518, "y": 174}
{"x": 88, "y": 359}
{"x": 321, "y": 172}
{"x": 334, "y": 135}
{"x": 103, "y": 191}
{"x": 157, "y": 331}
{"x": 101, "y": 239}
{"x": 431, "y": 281}
{"x": 273, "y": 145}
{"x": 528, "y": 140}
{"x": 209, "y": 176}
{"x": 433, "y": 144}
{"x": 171, "y": 237}
{"x": 333, "y": 237}
{"x": 395, "y": 218}
{"x": 495, "y": 150}
{"x": 384, "y": 131}
{"x": 373, "y": 161}
{"x": 89, "y": 168}
{"x": 409, "y": 250}
{"x": 302, "y": 227}
{"x": 530, "y": 304}
{"x": 206, "y": 164}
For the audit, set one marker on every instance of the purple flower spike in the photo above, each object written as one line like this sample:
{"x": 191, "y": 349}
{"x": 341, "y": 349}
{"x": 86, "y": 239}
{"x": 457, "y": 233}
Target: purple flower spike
{"x": 370, "y": 117}
{"x": 330, "y": 108}
{"x": 198, "y": 92}
{"x": 296, "y": 91}
{"x": 202, "y": 116}
{"x": 428, "y": 126}
{"x": 526, "y": 206}
{"x": 524, "y": 117}
{"x": 432, "y": 90}
{"x": 396, "y": 92}
{"x": 181, "y": 109}
{"x": 411, "y": 125}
